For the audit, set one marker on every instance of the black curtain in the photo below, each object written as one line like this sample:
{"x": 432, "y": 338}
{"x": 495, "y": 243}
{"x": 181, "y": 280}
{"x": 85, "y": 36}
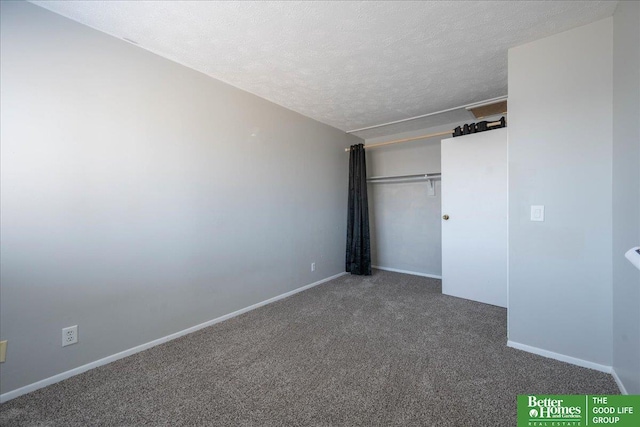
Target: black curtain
{"x": 358, "y": 260}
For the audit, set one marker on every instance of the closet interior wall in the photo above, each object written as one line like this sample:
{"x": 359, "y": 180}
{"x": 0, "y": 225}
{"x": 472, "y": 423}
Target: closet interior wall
{"x": 404, "y": 219}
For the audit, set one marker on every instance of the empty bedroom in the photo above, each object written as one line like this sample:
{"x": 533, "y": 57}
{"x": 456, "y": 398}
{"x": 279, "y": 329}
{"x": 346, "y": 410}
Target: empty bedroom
{"x": 315, "y": 213}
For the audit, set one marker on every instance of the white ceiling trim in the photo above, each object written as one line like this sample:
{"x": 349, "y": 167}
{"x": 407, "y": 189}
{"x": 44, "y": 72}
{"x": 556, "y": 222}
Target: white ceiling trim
{"x": 466, "y": 107}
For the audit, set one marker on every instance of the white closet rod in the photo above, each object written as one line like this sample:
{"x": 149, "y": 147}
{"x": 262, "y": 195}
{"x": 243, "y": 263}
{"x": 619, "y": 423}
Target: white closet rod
{"x": 416, "y": 176}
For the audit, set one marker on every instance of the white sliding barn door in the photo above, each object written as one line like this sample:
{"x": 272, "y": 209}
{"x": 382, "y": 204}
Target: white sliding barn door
{"x": 474, "y": 199}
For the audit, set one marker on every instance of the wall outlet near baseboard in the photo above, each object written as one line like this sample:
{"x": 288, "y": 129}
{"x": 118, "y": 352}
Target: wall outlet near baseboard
{"x": 69, "y": 335}
{"x": 313, "y": 266}
{"x": 3, "y": 351}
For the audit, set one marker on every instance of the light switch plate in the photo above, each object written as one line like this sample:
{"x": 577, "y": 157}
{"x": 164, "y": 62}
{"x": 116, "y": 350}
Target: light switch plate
{"x": 537, "y": 212}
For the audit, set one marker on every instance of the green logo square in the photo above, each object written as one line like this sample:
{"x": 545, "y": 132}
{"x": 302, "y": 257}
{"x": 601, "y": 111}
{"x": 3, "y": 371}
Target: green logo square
{"x": 578, "y": 410}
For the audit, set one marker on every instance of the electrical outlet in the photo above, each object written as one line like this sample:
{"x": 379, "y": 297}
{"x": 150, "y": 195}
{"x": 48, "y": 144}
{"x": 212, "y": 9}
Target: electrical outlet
{"x": 313, "y": 266}
{"x": 537, "y": 213}
{"x": 69, "y": 335}
{"x": 3, "y": 350}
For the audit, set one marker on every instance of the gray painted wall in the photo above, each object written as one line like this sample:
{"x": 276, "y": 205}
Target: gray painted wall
{"x": 140, "y": 198}
{"x": 560, "y": 143}
{"x": 626, "y": 193}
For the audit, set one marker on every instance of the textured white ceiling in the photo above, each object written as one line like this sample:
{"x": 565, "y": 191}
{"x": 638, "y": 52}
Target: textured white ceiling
{"x": 347, "y": 64}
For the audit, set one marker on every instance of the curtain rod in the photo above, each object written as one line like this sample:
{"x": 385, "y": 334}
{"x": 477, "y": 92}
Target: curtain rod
{"x": 472, "y": 105}
{"x": 431, "y": 135}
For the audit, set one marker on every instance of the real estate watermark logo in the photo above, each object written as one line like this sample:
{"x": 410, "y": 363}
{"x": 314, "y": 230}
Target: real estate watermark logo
{"x": 555, "y": 410}
{"x": 578, "y": 410}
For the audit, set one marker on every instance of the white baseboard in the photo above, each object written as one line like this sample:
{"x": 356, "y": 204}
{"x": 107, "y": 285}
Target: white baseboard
{"x": 623, "y": 390}
{"x": 414, "y": 273}
{"x": 76, "y": 371}
{"x": 560, "y": 357}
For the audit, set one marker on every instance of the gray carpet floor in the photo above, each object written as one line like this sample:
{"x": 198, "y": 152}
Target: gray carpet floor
{"x": 384, "y": 350}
